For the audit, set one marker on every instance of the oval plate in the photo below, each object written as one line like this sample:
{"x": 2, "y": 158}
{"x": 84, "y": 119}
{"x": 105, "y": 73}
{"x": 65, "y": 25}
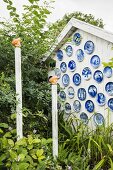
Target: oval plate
{"x": 76, "y": 79}
{"x": 69, "y": 50}
{"x": 109, "y": 88}
{"x": 92, "y": 90}
{"x": 65, "y": 80}
{"x": 89, "y": 47}
{"x": 77, "y": 106}
{"x": 107, "y": 71}
{"x": 98, "y": 76}
{"x": 89, "y": 105}
{"x": 98, "y": 119}
{"x": 95, "y": 61}
{"x": 86, "y": 73}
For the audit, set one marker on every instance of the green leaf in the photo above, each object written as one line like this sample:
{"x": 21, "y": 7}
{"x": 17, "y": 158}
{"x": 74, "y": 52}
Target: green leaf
{"x": 99, "y": 165}
{"x": 13, "y": 154}
{"x": 36, "y": 140}
{"x": 21, "y": 157}
{"x": 3, "y": 157}
{"x": 10, "y": 142}
{"x": 39, "y": 152}
{"x": 4, "y": 125}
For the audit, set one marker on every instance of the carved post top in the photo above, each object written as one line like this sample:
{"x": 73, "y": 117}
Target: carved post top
{"x": 53, "y": 80}
{"x": 16, "y": 42}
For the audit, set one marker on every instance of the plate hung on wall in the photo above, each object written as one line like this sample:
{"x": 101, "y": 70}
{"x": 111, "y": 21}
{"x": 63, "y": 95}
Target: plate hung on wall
{"x": 69, "y": 50}
{"x": 60, "y": 55}
{"x": 80, "y": 55}
{"x": 95, "y": 61}
{"x": 62, "y": 95}
{"x": 71, "y": 92}
{"x": 89, "y": 47}
{"x": 92, "y": 90}
{"x": 86, "y": 73}
{"x": 72, "y": 65}
{"x": 67, "y": 108}
{"x": 76, "y": 79}
{"x": 98, "y": 119}
{"x": 109, "y": 88}
{"x": 63, "y": 67}
{"x": 77, "y": 38}
{"x": 101, "y": 99}
{"x": 84, "y": 118}
{"x": 58, "y": 73}
{"x": 110, "y": 104}
{"x": 81, "y": 94}
{"x": 65, "y": 80}
{"x": 108, "y": 72}
{"x": 98, "y": 76}
{"x": 76, "y": 106}
{"x": 89, "y": 105}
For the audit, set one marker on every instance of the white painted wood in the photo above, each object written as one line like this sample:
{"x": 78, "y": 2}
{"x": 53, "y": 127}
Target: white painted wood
{"x": 54, "y": 121}
{"x": 18, "y": 92}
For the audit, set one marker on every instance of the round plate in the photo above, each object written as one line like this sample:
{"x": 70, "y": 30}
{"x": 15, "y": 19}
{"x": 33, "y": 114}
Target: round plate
{"x": 72, "y": 65}
{"x": 84, "y": 118}
{"x": 69, "y": 50}
{"x": 81, "y": 94}
{"x": 63, "y": 67}
{"x": 77, "y": 38}
{"x": 109, "y": 88}
{"x": 86, "y": 73}
{"x": 65, "y": 80}
{"x": 89, "y": 105}
{"x": 101, "y": 99}
{"x": 89, "y": 47}
{"x": 110, "y": 104}
{"x": 58, "y": 72}
{"x": 80, "y": 55}
{"x": 60, "y": 55}
{"x": 77, "y": 106}
{"x": 98, "y": 76}
{"x": 76, "y": 79}
{"x": 92, "y": 90}
{"x": 71, "y": 92}
{"x": 107, "y": 71}
{"x": 67, "y": 108}
{"x": 98, "y": 119}
{"x": 95, "y": 61}
{"x": 62, "y": 95}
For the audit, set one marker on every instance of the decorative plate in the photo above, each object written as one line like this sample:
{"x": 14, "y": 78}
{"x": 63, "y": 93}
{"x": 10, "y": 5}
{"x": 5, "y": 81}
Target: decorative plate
{"x": 98, "y": 119}
{"x": 58, "y": 106}
{"x": 86, "y": 73}
{"x": 77, "y": 106}
{"x": 69, "y": 50}
{"x": 109, "y": 88}
{"x": 98, "y": 76}
{"x": 65, "y": 80}
{"x": 60, "y": 55}
{"x": 76, "y": 79}
{"x": 89, "y": 47}
{"x": 71, "y": 92}
{"x": 95, "y": 61}
{"x": 80, "y": 55}
{"x": 89, "y": 105}
{"x": 62, "y": 95}
{"x": 107, "y": 71}
{"x": 72, "y": 65}
{"x": 81, "y": 94}
{"x": 92, "y": 90}
{"x": 67, "y": 108}
{"x": 101, "y": 99}
{"x": 58, "y": 73}
{"x": 77, "y": 38}
{"x": 63, "y": 67}
{"x": 110, "y": 104}
{"x": 84, "y": 118}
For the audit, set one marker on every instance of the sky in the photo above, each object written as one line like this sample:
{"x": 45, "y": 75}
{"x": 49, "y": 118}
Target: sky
{"x": 99, "y": 8}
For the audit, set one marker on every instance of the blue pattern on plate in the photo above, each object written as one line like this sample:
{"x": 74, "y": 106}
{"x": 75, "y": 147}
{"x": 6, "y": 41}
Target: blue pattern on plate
{"x": 69, "y": 50}
{"x": 76, "y": 79}
{"x": 109, "y": 88}
{"x": 72, "y": 65}
{"x": 95, "y": 61}
{"x": 65, "y": 80}
{"x": 77, "y": 38}
{"x": 89, "y": 105}
{"x": 67, "y": 108}
{"x": 98, "y": 76}
{"x": 92, "y": 90}
{"x": 60, "y": 55}
{"x": 86, "y": 73}
{"x": 89, "y": 47}
{"x": 77, "y": 106}
{"x": 98, "y": 119}
{"x": 63, "y": 67}
{"x": 80, "y": 55}
{"x": 81, "y": 94}
{"x": 110, "y": 104}
{"x": 62, "y": 95}
{"x": 71, "y": 92}
{"x": 58, "y": 72}
{"x": 107, "y": 71}
{"x": 84, "y": 118}
{"x": 101, "y": 99}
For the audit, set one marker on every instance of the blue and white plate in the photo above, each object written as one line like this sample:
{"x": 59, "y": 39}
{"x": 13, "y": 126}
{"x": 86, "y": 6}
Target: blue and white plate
{"x": 110, "y": 104}
{"x": 72, "y": 65}
{"x": 98, "y": 76}
{"x": 81, "y": 94}
{"x": 86, "y": 73}
{"x": 89, "y": 105}
{"x": 77, "y": 106}
{"x": 71, "y": 92}
{"x": 77, "y": 38}
{"x": 76, "y": 79}
{"x": 67, "y": 108}
{"x": 65, "y": 80}
{"x": 69, "y": 50}
{"x": 89, "y": 47}
{"x": 108, "y": 71}
{"x": 98, "y": 119}
{"x": 92, "y": 90}
{"x": 80, "y": 55}
{"x": 101, "y": 99}
{"x": 60, "y": 55}
{"x": 95, "y": 61}
{"x": 62, "y": 95}
{"x": 63, "y": 67}
{"x": 109, "y": 88}
{"x": 84, "y": 118}
{"x": 58, "y": 73}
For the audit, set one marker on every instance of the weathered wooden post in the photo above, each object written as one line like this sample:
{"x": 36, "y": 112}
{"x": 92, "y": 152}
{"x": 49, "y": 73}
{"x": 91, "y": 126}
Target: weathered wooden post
{"x": 17, "y": 44}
